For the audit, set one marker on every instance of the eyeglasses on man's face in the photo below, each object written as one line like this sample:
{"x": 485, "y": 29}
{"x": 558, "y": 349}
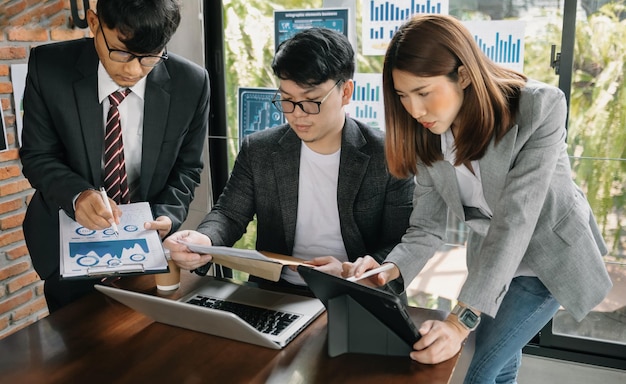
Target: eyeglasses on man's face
{"x": 126, "y": 57}
{"x": 307, "y": 106}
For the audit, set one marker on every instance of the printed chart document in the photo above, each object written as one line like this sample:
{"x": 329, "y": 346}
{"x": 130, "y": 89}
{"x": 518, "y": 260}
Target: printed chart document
{"x": 263, "y": 264}
{"x": 88, "y": 253}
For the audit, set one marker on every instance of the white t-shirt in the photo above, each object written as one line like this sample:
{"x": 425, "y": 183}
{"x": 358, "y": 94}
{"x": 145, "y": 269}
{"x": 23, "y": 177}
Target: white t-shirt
{"x": 318, "y": 232}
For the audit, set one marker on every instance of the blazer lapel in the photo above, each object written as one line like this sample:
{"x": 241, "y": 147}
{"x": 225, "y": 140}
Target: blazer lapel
{"x": 90, "y": 111}
{"x": 495, "y": 165}
{"x": 352, "y": 167}
{"x": 156, "y": 108}
{"x": 287, "y": 173}
{"x": 444, "y": 179}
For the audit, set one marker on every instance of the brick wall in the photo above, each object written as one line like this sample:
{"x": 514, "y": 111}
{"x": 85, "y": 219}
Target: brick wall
{"x": 23, "y": 24}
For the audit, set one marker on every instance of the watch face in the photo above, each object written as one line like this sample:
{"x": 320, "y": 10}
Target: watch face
{"x": 469, "y": 318}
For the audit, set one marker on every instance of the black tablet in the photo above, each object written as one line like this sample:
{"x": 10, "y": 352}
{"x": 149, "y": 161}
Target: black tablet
{"x": 385, "y": 306}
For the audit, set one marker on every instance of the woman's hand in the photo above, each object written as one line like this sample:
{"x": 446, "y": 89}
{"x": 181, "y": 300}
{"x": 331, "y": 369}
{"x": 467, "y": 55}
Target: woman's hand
{"x": 440, "y": 341}
{"x": 364, "y": 264}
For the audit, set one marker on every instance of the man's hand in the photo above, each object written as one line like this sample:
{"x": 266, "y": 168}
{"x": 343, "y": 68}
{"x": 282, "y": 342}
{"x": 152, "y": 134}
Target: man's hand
{"x": 91, "y": 211}
{"x": 162, "y": 224}
{"x": 328, "y": 264}
{"x": 181, "y": 255}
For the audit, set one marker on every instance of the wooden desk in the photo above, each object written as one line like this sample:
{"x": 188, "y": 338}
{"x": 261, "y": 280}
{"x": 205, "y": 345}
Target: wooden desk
{"x": 98, "y": 339}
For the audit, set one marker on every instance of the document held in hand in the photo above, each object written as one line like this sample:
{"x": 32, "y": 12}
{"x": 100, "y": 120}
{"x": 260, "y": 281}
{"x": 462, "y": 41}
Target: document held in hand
{"x": 263, "y": 264}
{"x": 88, "y": 253}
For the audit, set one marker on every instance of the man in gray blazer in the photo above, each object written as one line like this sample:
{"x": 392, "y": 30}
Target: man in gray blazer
{"x": 164, "y": 123}
{"x": 319, "y": 185}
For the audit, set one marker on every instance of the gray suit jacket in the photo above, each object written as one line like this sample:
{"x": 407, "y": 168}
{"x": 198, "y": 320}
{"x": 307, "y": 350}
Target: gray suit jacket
{"x": 374, "y": 207}
{"x": 63, "y": 139}
{"x": 539, "y": 215}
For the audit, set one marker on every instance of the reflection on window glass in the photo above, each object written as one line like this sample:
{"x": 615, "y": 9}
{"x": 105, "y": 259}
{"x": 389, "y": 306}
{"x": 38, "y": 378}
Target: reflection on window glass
{"x": 597, "y": 144}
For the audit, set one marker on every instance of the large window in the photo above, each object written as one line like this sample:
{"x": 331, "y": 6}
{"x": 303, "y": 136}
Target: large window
{"x": 587, "y": 62}
{"x": 597, "y": 146}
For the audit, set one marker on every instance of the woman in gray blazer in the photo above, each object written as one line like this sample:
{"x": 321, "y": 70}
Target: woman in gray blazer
{"x": 488, "y": 145}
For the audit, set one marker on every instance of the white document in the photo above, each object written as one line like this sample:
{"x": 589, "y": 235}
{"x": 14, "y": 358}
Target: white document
{"x": 227, "y": 251}
{"x": 267, "y": 265}
{"x": 88, "y": 253}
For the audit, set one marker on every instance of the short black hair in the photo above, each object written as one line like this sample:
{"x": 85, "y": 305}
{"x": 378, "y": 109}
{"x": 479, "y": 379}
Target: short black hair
{"x": 314, "y": 56}
{"x": 147, "y": 25}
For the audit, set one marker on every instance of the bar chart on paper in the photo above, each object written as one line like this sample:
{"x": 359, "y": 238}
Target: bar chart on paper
{"x": 501, "y": 40}
{"x": 382, "y": 18}
{"x": 366, "y": 104}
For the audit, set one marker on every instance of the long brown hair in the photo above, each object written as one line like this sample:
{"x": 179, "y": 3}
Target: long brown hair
{"x": 437, "y": 45}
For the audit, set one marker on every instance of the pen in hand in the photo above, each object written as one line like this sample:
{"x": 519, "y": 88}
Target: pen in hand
{"x": 105, "y": 198}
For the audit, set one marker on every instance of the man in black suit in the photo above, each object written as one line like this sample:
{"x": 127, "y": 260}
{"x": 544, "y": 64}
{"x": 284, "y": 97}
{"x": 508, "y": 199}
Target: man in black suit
{"x": 164, "y": 122}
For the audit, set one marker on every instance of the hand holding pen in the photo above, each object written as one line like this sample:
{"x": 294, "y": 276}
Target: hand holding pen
{"x": 105, "y": 198}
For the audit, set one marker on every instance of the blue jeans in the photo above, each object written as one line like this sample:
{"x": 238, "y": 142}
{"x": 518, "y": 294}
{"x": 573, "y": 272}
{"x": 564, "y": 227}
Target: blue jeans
{"x": 526, "y": 308}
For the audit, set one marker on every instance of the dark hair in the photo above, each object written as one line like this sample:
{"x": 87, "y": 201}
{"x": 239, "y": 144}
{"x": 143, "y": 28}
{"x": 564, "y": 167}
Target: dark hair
{"x": 146, "y": 25}
{"x": 437, "y": 45}
{"x": 314, "y": 56}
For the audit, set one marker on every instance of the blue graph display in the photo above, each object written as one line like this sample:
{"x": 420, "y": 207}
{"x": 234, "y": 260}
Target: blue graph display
{"x": 504, "y": 50}
{"x": 366, "y": 92}
{"x": 366, "y": 103}
{"x": 390, "y": 11}
{"x": 109, "y": 253}
{"x": 366, "y": 112}
{"x": 382, "y": 18}
{"x": 501, "y": 41}
{"x": 113, "y": 248}
{"x": 288, "y": 23}
{"x": 256, "y": 111}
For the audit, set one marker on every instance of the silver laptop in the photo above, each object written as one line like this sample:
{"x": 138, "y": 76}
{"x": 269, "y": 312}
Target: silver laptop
{"x": 227, "y": 309}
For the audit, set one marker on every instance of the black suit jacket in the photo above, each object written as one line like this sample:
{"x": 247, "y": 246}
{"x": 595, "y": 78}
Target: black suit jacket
{"x": 374, "y": 207}
{"x": 63, "y": 139}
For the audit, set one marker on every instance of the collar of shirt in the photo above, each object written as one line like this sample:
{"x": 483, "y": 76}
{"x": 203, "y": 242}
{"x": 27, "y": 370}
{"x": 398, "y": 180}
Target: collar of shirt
{"x": 448, "y": 147}
{"x": 106, "y": 85}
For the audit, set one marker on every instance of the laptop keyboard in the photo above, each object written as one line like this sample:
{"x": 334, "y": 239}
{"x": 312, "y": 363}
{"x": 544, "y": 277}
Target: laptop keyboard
{"x": 264, "y": 320}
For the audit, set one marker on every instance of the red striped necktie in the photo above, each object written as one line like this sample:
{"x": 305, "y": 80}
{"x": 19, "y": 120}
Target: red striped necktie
{"x": 115, "y": 180}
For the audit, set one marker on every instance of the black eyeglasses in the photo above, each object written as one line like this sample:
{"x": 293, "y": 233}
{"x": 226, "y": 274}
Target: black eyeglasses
{"x": 126, "y": 57}
{"x": 307, "y": 106}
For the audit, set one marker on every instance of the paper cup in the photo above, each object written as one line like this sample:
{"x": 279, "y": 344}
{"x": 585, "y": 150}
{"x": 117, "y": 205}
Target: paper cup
{"x": 168, "y": 281}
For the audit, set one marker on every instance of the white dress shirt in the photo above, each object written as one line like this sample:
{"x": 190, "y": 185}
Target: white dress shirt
{"x": 131, "y": 119}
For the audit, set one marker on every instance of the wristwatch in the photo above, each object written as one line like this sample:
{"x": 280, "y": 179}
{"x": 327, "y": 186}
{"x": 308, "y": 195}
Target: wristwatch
{"x": 467, "y": 317}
